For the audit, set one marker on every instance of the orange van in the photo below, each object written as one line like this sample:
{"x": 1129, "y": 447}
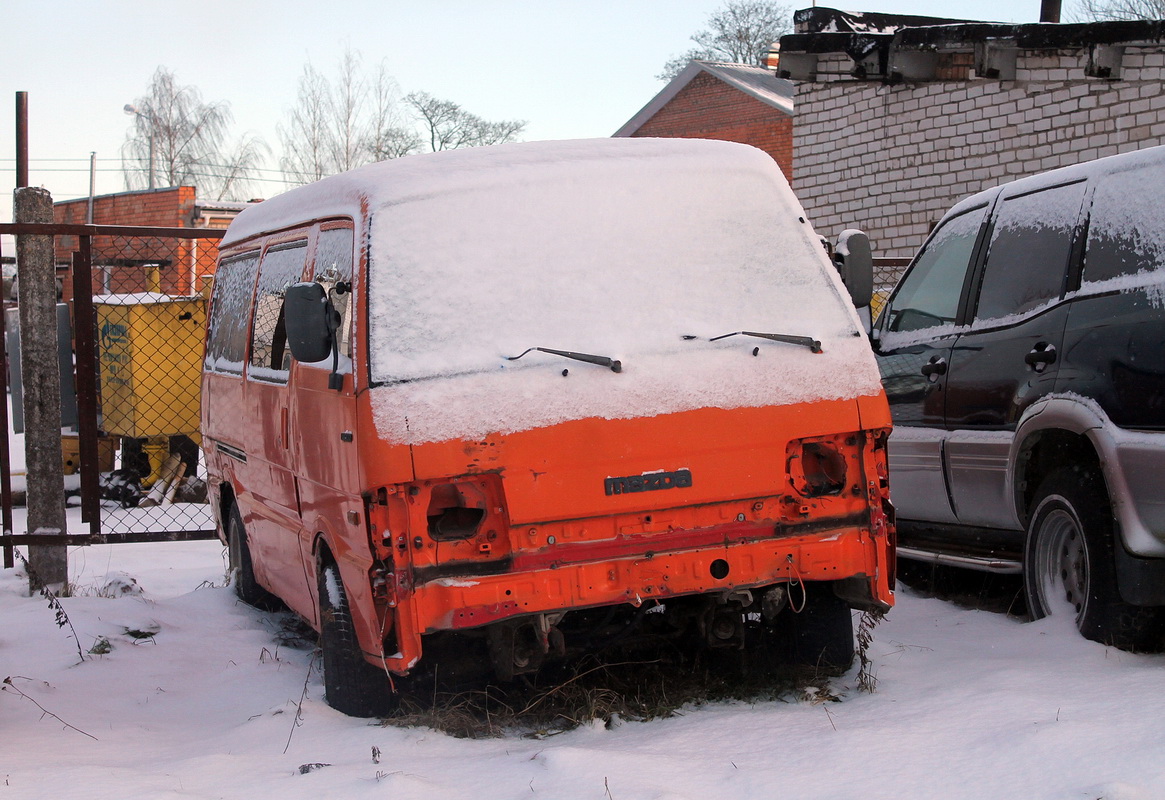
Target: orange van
{"x": 532, "y": 397}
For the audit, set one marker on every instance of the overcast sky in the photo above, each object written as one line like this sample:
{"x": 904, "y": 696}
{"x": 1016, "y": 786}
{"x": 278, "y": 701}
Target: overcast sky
{"x": 572, "y": 68}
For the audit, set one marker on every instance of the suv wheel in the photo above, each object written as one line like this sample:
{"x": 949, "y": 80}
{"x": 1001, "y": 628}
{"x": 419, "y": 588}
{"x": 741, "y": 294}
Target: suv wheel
{"x": 1069, "y": 567}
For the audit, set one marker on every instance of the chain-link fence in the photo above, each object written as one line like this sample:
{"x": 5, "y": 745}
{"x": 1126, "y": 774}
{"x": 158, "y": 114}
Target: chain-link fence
{"x": 136, "y": 298}
{"x": 149, "y": 320}
{"x": 887, "y": 271}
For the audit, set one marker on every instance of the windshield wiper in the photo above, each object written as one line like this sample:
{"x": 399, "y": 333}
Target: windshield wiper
{"x": 804, "y": 341}
{"x": 602, "y": 361}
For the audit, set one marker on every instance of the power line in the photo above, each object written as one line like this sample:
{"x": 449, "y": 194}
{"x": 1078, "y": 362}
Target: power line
{"x": 237, "y": 177}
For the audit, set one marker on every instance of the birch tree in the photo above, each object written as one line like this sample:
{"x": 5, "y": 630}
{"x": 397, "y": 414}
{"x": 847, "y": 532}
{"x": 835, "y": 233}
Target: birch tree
{"x": 186, "y": 141}
{"x": 353, "y": 119}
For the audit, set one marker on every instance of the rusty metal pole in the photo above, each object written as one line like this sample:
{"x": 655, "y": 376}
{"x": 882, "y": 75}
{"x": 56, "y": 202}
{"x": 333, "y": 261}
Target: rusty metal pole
{"x": 5, "y": 455}
{"x": 1049, "y": 10}
{"x": 21, "y": 140}
{"x": 40, "y": 365}
{"x": 84, "y": 337}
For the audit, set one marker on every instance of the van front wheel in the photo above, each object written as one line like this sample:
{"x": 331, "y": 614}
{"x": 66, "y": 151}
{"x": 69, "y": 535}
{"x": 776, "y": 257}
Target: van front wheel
{"x": 351, "y": 685}
{"x": 1069, "y": 565}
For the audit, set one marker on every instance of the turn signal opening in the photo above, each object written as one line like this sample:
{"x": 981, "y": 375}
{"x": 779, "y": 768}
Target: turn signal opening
{"x": 819, "y": 470}
{"x": 452, "y": 515}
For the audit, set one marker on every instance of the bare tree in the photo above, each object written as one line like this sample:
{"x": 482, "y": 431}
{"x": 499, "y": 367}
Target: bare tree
{"x": 392, "y": 134}
{"x": 184, "y": 141}
{"x": 338, "y": 125}
{"x": 1109, "y": 10}
{"x": 448, "y": 126}
{"x": 741, "y": 32}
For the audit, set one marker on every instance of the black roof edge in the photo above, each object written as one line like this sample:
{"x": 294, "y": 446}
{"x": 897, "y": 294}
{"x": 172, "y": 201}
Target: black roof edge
{"x": 1032, "y": 36}
{"x": 816, "y": 19}
{"x": 855, "y": 45}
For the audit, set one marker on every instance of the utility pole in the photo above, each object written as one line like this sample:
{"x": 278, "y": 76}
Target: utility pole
{"x": 42, "y": 382}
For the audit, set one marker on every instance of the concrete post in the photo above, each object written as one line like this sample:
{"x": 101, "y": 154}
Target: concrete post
{"x": 42, "y": 391}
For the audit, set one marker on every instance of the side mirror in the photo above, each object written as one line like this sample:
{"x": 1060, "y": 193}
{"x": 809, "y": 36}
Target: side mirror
{"x": 855, "y": 263}
{"x": 309, "y": 320}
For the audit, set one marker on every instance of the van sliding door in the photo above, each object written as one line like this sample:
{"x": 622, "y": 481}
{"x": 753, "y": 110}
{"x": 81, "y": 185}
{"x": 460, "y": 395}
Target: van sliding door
{"x": 275, "y": 525}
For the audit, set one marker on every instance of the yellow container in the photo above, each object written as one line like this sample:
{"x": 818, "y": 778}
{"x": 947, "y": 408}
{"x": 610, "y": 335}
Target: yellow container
{"x": 71, "y": 453}
{"x": 151, "y": 348}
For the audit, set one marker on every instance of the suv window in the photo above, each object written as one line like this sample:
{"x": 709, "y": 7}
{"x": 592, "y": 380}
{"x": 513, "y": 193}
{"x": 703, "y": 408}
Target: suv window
{"x": 1126, "y": 233}
{"x": 226, "y": 345}
{"x": 929, "y": 295}
{"x": 1028, "y": 255}
{"x": 281, "y": 267}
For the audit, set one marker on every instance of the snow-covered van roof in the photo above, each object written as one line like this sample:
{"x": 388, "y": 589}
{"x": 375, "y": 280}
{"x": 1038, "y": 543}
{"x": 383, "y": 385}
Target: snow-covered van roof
{"x": 640, "y": 250}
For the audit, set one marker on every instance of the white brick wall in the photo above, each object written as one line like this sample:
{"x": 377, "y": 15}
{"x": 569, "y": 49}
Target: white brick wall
{"x": 892, "y": 159}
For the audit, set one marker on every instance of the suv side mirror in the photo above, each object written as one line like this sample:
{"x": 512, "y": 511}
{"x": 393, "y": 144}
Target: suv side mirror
{"x": 309, "y": 320}
{"x": 855, "y": 262}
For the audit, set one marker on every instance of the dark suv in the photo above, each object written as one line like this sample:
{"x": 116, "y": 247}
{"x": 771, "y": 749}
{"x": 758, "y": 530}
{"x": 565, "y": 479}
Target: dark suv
{"x": 1023, "y": 353}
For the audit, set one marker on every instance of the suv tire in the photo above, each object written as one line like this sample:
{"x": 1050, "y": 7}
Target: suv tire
{"x": 1068, "y": 556}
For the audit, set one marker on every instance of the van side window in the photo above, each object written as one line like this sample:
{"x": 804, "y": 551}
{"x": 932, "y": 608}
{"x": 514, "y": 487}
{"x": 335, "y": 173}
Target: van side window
{"x": 1028, "y": 255}
{"x": 929, "y": 294}
{"x": 1126, "y": 233}
{"x": 334, "y": 264}
{"x": 281, "y": 266}
{"x": 226, "y": 344}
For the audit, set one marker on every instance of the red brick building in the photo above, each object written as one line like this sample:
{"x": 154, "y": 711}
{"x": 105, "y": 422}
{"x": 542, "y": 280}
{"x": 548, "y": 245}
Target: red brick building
{"x": 732, "y": 102}
{"x": 124, "y": 264}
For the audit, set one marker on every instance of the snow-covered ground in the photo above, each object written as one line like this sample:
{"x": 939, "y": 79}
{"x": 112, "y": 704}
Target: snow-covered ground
{"x": 969, "y": 704}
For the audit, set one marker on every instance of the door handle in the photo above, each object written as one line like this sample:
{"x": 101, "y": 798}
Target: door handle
{"x": 933, "y": 368}
{"x": 1040, "y": 356}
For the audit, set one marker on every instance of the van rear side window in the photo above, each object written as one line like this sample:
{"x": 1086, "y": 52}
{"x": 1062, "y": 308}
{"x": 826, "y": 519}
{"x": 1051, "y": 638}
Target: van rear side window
{"x": 281, "y": 266}
{"x": 226, "y": 345}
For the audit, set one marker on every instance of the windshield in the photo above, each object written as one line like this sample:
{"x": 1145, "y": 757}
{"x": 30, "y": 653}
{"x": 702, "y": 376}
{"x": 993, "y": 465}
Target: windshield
{"x": 618, "y": 257}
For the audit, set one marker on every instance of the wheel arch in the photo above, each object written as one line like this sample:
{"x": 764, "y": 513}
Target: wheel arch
{"x": 329, "y": 548}
{"x": 1064, "y": 429}
{"x": 222, "y": 508}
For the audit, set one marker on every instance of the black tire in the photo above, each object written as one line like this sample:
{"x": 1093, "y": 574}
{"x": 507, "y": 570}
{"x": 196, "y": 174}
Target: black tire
{"x": 1069, "y": 564}
{"x": 816, "y": 629}
{"x": 352, "y": 686}
{"x": 239, "y": 554}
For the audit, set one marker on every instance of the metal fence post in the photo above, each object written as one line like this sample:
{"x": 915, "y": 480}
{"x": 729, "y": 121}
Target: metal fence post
{"x": 85, "y": 348}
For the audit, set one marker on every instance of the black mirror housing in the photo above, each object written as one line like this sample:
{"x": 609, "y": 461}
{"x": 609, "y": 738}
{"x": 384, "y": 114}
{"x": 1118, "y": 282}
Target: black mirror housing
{"x": 855, "y": 261}
{"x": 307, "y": 315}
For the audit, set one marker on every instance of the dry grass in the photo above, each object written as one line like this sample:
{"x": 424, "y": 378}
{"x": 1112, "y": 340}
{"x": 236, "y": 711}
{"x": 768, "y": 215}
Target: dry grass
{"x": 558, "y": 699}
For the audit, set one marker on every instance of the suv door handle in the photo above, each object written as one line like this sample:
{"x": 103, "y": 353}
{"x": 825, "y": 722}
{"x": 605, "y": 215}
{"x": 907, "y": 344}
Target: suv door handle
{"x": 933, "y": 368}
{"x": 1040, "y": 356}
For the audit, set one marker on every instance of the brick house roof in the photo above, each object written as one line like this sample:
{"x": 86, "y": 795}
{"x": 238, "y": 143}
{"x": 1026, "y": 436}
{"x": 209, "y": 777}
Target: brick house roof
{"x": 757, "y": 82}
